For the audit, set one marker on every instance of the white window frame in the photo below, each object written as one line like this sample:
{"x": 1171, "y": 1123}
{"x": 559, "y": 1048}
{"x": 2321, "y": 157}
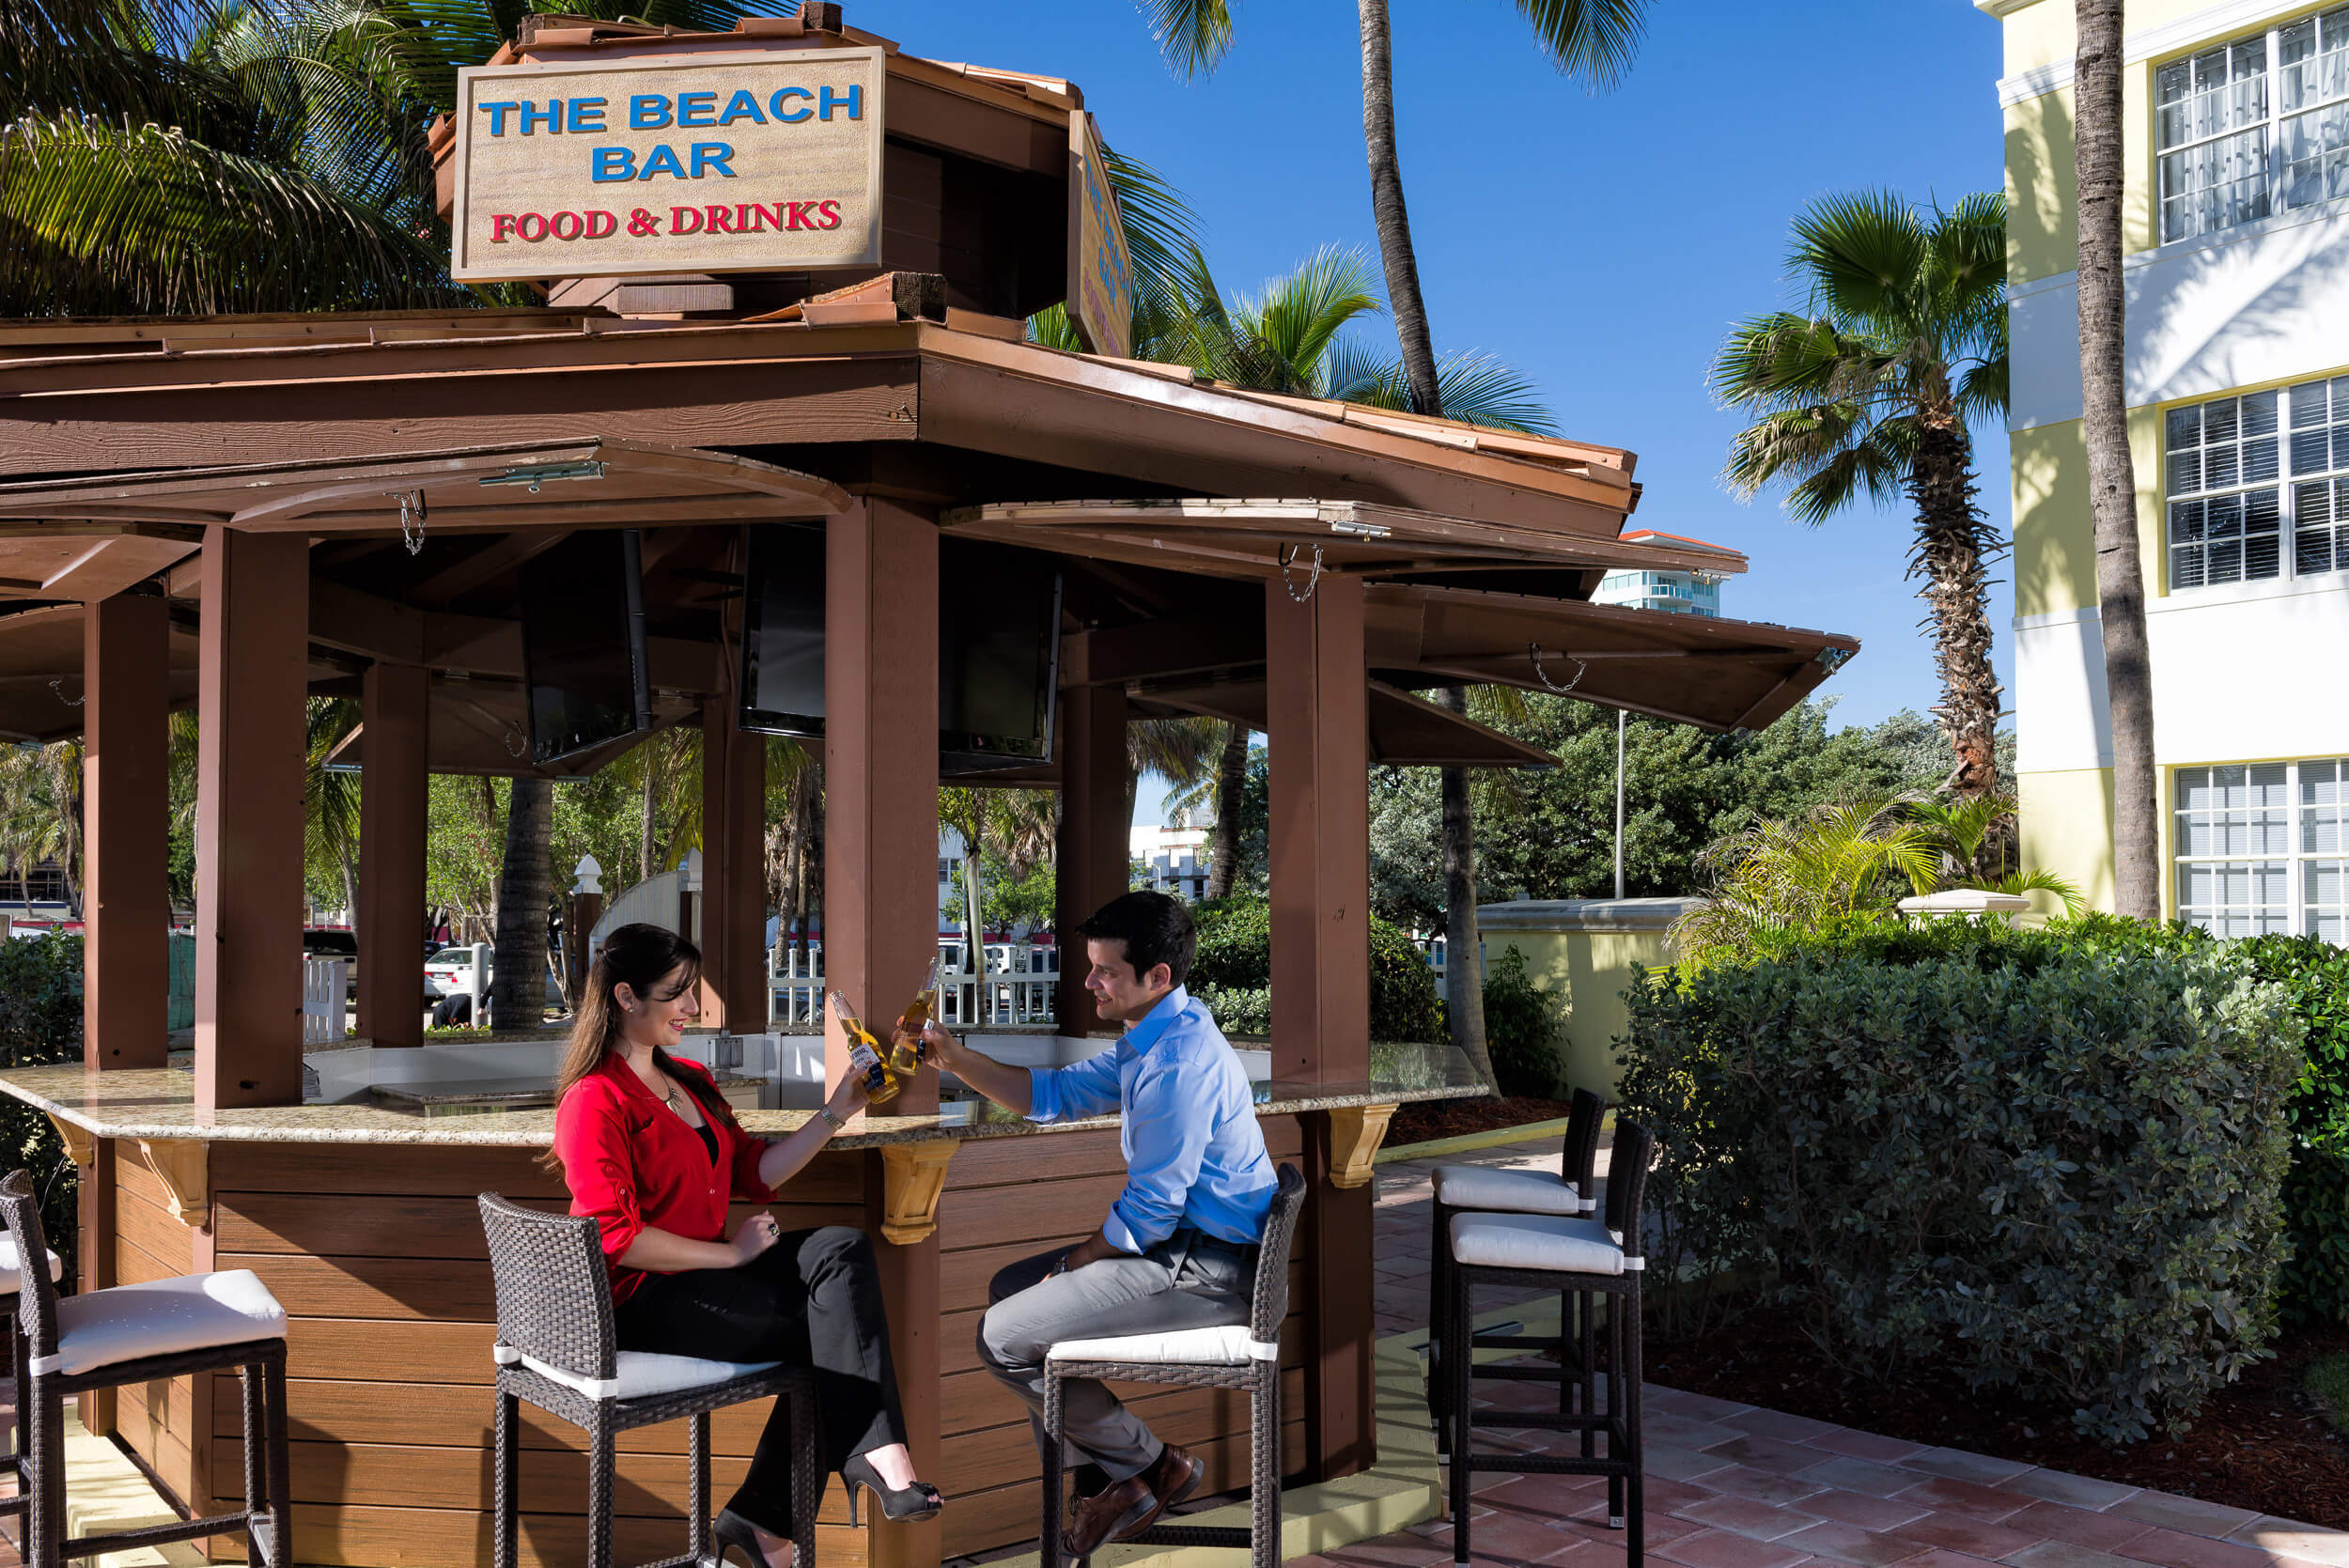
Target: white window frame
{"x": 2307, "y": 825}
{"x": 2273, "y": 169}
{"x": 2284, "y": 479}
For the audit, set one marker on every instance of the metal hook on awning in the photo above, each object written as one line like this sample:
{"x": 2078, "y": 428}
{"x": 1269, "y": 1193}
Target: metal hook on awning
{"x": 517, "y": 742}
{"x": 1312, "y": 579}
{"x": 1533, "y": 652}
{"x": 59, "y": 686}
{"x": 411, "y": 505}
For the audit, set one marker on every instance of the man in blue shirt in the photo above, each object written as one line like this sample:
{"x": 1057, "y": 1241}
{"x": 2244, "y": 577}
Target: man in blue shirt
{"x": 1178, "y": 1247}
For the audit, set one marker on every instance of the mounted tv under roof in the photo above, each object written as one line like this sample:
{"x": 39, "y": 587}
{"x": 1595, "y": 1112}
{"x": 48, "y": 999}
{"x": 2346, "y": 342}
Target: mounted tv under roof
{"x": 997, "y": 647}
{"x": 583, "y": 663}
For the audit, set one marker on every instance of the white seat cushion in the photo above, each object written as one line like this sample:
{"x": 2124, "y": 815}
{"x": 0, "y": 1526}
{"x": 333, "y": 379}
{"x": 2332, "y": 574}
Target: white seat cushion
{"x": 641, "y": 1373}
{"x": 1226, "y": 1344}
{"x": 1543, "y": 1241}
{"x": 1478, "y": 1187}
{"x": 11, "y": 1279}
{"x": 162, "y": 1317}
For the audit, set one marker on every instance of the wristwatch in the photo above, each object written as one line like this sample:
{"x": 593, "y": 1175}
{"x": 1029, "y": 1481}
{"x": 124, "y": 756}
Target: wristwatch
{"x": 837, "y": 1125}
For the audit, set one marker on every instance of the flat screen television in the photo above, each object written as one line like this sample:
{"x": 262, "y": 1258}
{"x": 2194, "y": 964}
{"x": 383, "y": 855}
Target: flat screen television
{"x": 998, "y": 646}
{"x": 583, "y": 663}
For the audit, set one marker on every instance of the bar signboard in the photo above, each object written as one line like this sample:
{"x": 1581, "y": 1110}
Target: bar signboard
{"x": 1101, "y": 272}
{"x": 701, "y": 163}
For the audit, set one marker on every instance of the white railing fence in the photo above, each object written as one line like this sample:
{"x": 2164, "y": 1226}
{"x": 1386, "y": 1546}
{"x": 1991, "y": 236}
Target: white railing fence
{"x": 325, "y": 998}
{"x": 1018, "y": 988}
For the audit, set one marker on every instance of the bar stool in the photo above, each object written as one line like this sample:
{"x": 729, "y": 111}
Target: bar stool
{"x": 1483, "y": 1189}
{"x": 1237, "y": 1356}
{"x": 556, "y": 1348}
{"x": 1590, "y": 1259}
{"x": 12, "y": 1462}
{"x": 196, "y": 1324}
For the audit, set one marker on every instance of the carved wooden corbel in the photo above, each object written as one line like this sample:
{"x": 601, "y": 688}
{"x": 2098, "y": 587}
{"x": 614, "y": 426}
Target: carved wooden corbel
{"x": 79, "y": 1147}
{"x": 184, "y": 1166}
{"x": 1355, "y": 1133}
{"x": 913, "y": 1179}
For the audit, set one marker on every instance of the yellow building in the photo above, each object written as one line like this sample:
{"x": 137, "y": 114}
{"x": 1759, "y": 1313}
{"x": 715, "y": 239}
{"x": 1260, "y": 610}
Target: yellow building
{"x": 2236, "y": 124}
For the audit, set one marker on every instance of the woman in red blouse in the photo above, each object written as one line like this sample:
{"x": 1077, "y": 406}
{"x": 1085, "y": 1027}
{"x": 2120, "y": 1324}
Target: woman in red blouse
{"x": 649, "y": 1149}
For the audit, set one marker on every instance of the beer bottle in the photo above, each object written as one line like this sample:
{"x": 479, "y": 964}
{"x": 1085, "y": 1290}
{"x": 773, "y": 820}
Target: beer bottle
{"x": 864, "y": 1053}
{"x": 906, "y": 1052}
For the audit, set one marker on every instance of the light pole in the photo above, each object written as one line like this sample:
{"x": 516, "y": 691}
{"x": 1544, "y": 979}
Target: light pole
{"x": 1622, "y": 718}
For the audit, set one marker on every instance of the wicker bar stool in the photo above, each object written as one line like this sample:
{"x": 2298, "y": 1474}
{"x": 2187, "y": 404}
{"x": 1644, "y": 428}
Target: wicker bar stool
{"x": 556, "y": 1348}
{"x": 196, "y": 1324}
{"x": 1483, "y": 1189}
{"x": 12, "y": 1462}
{"x": 1593, "y": 1259}
{"x": 1245, "y": 1356}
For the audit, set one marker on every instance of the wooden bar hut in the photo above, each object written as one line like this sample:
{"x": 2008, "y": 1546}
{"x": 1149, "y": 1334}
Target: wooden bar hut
{"x": 238, "y": 514}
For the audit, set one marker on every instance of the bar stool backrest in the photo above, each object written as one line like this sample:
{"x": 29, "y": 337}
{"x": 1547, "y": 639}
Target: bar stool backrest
{"x": 555, "y": 1296}
{"x": 1272, "y": 1258}
{"x": 1626, "y": 1183}
{"x": 35, "y": 1297}
{"x": 1579, "y": 1166}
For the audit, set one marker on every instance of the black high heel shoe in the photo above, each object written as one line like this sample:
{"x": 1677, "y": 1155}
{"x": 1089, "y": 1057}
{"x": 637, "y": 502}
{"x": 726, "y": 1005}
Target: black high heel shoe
{"x": 732, "y": 1530}
{"x": 910, "y": 1505}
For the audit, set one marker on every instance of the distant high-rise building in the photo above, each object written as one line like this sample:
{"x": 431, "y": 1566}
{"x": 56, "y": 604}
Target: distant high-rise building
{"x": 1685, "y": 593}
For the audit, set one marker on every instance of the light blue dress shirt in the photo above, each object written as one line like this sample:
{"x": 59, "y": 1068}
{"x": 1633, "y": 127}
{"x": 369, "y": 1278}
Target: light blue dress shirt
{"x": 1194, "y": 1153}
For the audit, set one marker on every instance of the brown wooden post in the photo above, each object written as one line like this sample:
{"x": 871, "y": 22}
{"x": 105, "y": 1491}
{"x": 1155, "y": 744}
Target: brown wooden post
{"x": 880, "y": 885}
{"x": 395, "y": 704}
{"x": 126, "y": 908}
{"x": 1094, "y": 853}
{"x": 734, "y": 872}
{"x": 252, "y": 676}
{"x": 94, "y": 1259}
{"x": 1319, "y": 845}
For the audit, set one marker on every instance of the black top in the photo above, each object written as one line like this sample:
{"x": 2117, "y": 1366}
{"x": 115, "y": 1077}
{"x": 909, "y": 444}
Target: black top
{"x": 709, "y": 1140}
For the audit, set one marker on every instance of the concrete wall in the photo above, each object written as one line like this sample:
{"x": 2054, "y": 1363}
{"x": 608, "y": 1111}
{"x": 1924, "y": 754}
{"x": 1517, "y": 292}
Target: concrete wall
{"x": 1588, "y": 950}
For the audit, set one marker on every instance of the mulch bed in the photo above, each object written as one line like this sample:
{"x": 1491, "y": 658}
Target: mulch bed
{"x": 1425, "y": 1121}
{"x": 2260, "y": 1443}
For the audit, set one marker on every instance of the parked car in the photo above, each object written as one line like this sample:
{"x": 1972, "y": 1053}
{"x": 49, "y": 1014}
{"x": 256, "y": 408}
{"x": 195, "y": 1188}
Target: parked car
{"x": 449, "y": 972}
{"x": 320, "y": 941}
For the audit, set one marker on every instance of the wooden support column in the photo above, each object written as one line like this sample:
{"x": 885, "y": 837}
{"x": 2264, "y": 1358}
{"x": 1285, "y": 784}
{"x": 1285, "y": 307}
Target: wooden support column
{"x": 1094, "y": 850}
{"x": 395, "y": 704}
{"x": 1319, "y": 848}
{"x": 880, "y": 889}
{"x": 252, "y": 676}
{"x": 126, "y": 909}
{"x": 734, "y": 872}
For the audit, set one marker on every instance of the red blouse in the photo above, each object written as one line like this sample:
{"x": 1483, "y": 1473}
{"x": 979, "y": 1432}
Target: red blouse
{"x": 630, "y": 1161}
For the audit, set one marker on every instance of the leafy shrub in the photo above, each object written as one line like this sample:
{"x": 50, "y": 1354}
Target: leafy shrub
{"x": 2051, "y": 1160}
{"x": 41, "y": 1021}
{"x": 1521, "y": 1028}
{"x": 1233, "y": 974}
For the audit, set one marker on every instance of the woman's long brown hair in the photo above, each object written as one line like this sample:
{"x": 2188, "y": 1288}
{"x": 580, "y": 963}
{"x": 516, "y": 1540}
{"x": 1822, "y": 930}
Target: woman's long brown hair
{"x": 640, "y": 957}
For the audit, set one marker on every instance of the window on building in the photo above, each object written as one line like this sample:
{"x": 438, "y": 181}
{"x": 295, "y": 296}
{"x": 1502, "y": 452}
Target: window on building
{"x": 2264, "y": 847}
{"x": 2258, "y": 486}
{"x": 2255, "y": 126}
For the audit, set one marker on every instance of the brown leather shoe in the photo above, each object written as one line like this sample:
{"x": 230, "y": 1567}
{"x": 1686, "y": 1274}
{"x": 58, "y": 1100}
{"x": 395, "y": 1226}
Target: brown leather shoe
{"x": 1115, "y": 1510}
{"x": 1175, "y": 1476}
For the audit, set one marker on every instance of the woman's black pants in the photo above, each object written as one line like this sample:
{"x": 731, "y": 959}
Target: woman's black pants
{"x": 813, "y": 1299}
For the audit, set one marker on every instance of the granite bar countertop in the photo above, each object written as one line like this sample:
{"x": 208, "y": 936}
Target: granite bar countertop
{"x": 160, "y": 1103}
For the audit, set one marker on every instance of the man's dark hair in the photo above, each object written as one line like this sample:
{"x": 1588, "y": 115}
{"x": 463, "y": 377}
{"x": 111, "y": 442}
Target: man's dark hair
{"x": 1155, "y": 928}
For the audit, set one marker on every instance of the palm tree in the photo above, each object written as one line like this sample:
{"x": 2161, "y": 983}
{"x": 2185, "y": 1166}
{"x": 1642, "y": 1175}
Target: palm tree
{"x": 1231, "y": 777}
{"x": 40, "y": 811}
{"x": 519, "y": 989}
{"x": 1869, "y": 390}
{"x": 1176, "y": 750}
{"x": 330, "y": 796}
{"x": 2111, "y": 473}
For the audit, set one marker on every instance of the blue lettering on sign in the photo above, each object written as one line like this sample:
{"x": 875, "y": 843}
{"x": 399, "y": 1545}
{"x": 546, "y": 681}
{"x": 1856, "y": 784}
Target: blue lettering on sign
{"x": 497, "y": 112}
{"x": 550, "y": 117}
{"x": 663, "y": 159}
{"x": 647, "y": 112}
{"x": 742, "y": 106}
{"x": 696, "y": 109}
{"x": 713, "y": 155}
{"x": 587, "y": 114}
{"x": 853, "y": 102}
{"x": 612, "y": 163}
{"x": 774, "y": 105}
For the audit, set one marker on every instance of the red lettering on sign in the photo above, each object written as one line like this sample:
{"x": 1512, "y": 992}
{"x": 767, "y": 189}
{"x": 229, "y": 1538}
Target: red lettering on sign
{"x": 720, "y": 220}
{"x": 602, "y": 225}
{"x": 685, "y": 219}
{"x": 831, "y": 214}
{"x": 499, "y": 223}
{"x": 521, "y": 226}
{"x": 800, "y": 215}
{"x": 578, "y": 226}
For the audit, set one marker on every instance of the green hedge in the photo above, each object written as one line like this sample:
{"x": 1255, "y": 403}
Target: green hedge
{"x": 1522, "y": 1022}
{"x": 41, "y": 1021}
{"x": 2049, "y": 1159}
{"x": 1233, "y": 974}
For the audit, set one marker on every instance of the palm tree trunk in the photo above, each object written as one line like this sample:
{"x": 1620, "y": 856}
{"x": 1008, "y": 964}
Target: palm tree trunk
{"x": 519, "y": 997}
{"x": 644, "y": 845}
{"x": 1231, "y": 777}
{"x": 1387, "y": 210}
{"x": 1463, "y": 969}
{"x": 2111, "y": 474}
{"x": 1952, "y": 538}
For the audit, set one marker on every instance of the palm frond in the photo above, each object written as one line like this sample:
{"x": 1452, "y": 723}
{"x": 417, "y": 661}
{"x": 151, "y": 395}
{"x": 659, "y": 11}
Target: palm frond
{"x": 1478, "y": 389}
{"x": 2021, "y": 882}
{"x": 1593, "y": 41}
{"x": 1193, "y": 34}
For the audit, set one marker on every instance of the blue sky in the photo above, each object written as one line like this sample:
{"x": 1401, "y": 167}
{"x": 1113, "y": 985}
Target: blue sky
{"x": 1601, "y": 244}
